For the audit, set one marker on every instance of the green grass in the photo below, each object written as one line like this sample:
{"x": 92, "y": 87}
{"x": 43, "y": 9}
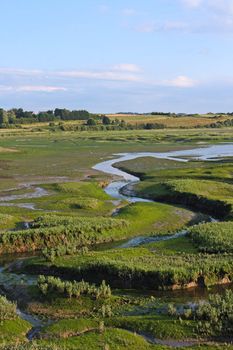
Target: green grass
{"x": 208, "y": 196}
{"x": 173, "y": 246}
{"x": 155, "y": 218}
{"x": 142, "y": 268}
{"x": 132, "y": 220}
{"x": 115, "y": 339}
{"x": 7, "y": 221}
{"x": 83, "y": 189}
{"x": 70, "y": 327}
{"x": 213, "y": 237}
{"x": 152, "y": 168}
{"x": 62, "y": 162}
{"x": 209, "y": 189}
{"x": 13, "y": 331}
{"x": 160, "y": 327}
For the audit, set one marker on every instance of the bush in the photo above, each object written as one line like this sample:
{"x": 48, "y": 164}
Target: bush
{"x": 7, "y": 309}
{"x": 74, "y": 289}
{"x": 213, "y": 237}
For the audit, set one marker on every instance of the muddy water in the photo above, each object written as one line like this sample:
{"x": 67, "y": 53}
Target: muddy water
{"x": 35, "y": 192}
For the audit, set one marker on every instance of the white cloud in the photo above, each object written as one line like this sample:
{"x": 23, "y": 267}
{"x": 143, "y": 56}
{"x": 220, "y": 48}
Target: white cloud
{"x": 20, "y": 71}
{"x": 225, "y": 6}
{"x": 192, "y": 3}
{"x": 127, "y": 67}
{"x": 122, "y": 72}
{"x": 101, "y": 75}
{"x": 31, "y": 88}
{"x": 181, "y": 81}
{"x": 222, "y": 5}
{"x": 39, "y": 88}
{"x": 74, "y": 80}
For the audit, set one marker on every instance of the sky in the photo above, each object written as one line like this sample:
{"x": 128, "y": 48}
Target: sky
{"x": 117, "y": 55}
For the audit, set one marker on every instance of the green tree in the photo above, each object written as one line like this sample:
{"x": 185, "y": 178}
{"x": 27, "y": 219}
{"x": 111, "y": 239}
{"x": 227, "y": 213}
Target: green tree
{"x": 91, "y": 122}
{"x": 106, "y": 120}
{"x": 3, "y": 117}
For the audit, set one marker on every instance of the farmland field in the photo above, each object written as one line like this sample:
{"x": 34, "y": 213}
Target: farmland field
{"x": 85, "y": 264}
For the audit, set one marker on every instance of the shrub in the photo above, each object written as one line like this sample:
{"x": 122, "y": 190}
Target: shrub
{"x": 74, "y": 289}
{"x": 7, "y": 309}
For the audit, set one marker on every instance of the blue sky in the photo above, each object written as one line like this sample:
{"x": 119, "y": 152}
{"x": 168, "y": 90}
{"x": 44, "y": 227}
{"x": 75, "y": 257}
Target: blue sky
{"x": 124, "y": 55}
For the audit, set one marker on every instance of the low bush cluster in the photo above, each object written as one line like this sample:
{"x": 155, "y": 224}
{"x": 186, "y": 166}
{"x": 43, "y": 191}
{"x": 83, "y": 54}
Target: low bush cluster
{"x": 7, "y": 309}
{"x": 213, "y": 237}
{"x": 52, "y": 231}
{"x": 50, "y": 284}
{"x": 214, "y": 317}
{"x": 61, "y": 250}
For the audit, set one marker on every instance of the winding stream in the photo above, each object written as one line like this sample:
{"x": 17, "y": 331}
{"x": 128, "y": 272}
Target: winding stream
{"x": 211, "y": 153}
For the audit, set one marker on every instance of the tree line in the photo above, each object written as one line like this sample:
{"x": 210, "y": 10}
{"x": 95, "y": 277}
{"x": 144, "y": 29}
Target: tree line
{"x": 19, "y": 116}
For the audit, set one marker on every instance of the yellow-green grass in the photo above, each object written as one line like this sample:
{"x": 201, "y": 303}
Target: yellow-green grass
{"x": 213, "y": 237}
{"x": 63, "y": 308}
{"x": 132, "y": 220}
{"x": 155, "y": 218}
{"x": 110, "y": 338}
{"x": 7, "y": 221}
{"x": 173, "y": 246}
{"x": 157, "y": 326}
{"x": 13, "y": 331}
{"x": 141, "y": 268}
{"x": 44, "y": 156}
{"x": 157, "y": 169}
{"x": 170, "y": 121}
{"x": 212, "y": 197}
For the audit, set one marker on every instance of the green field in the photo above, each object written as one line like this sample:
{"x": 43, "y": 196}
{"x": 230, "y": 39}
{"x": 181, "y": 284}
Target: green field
{"x": 75, "y": 231}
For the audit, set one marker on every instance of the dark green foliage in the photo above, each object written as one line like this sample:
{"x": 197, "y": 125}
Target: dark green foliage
{"x": 106, "y": 120}
{"x": 61, "y": 250}
{"x": 52, "y": 231}
{"x": 142, "y": 269}
{"x": 213, "y": 237}
{"x": 216, "y": 316}
{"x": 72, "y": 289}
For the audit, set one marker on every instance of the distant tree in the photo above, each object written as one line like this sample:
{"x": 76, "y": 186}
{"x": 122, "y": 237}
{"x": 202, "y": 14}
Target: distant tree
{"x": 11, "y": 117}
{"x": 91, "y": 122}
{"x": 3, "y": 117}
{"x": 106, "y": 120}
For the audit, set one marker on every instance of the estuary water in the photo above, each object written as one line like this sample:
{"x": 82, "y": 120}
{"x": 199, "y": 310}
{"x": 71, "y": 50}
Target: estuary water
{"x": 209, "y": 153}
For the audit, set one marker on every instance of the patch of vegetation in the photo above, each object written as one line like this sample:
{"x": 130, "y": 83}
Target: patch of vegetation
{"x": 70, "y": 289}
{"x": 141, "y": 268}
{"x": 7, "y": 309}
{"x": 82, "y": 231}
{"x": 159, "y": 327}
{"x": 82, "y": 189}
{"x": 155, "y": 218}
{"x": 6, "y": 221}
{"x": 12, "y": 328}
{"x": 208, "y": 196}
{"x": 214, "y": 315}
{"x": 214, "y": 237}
